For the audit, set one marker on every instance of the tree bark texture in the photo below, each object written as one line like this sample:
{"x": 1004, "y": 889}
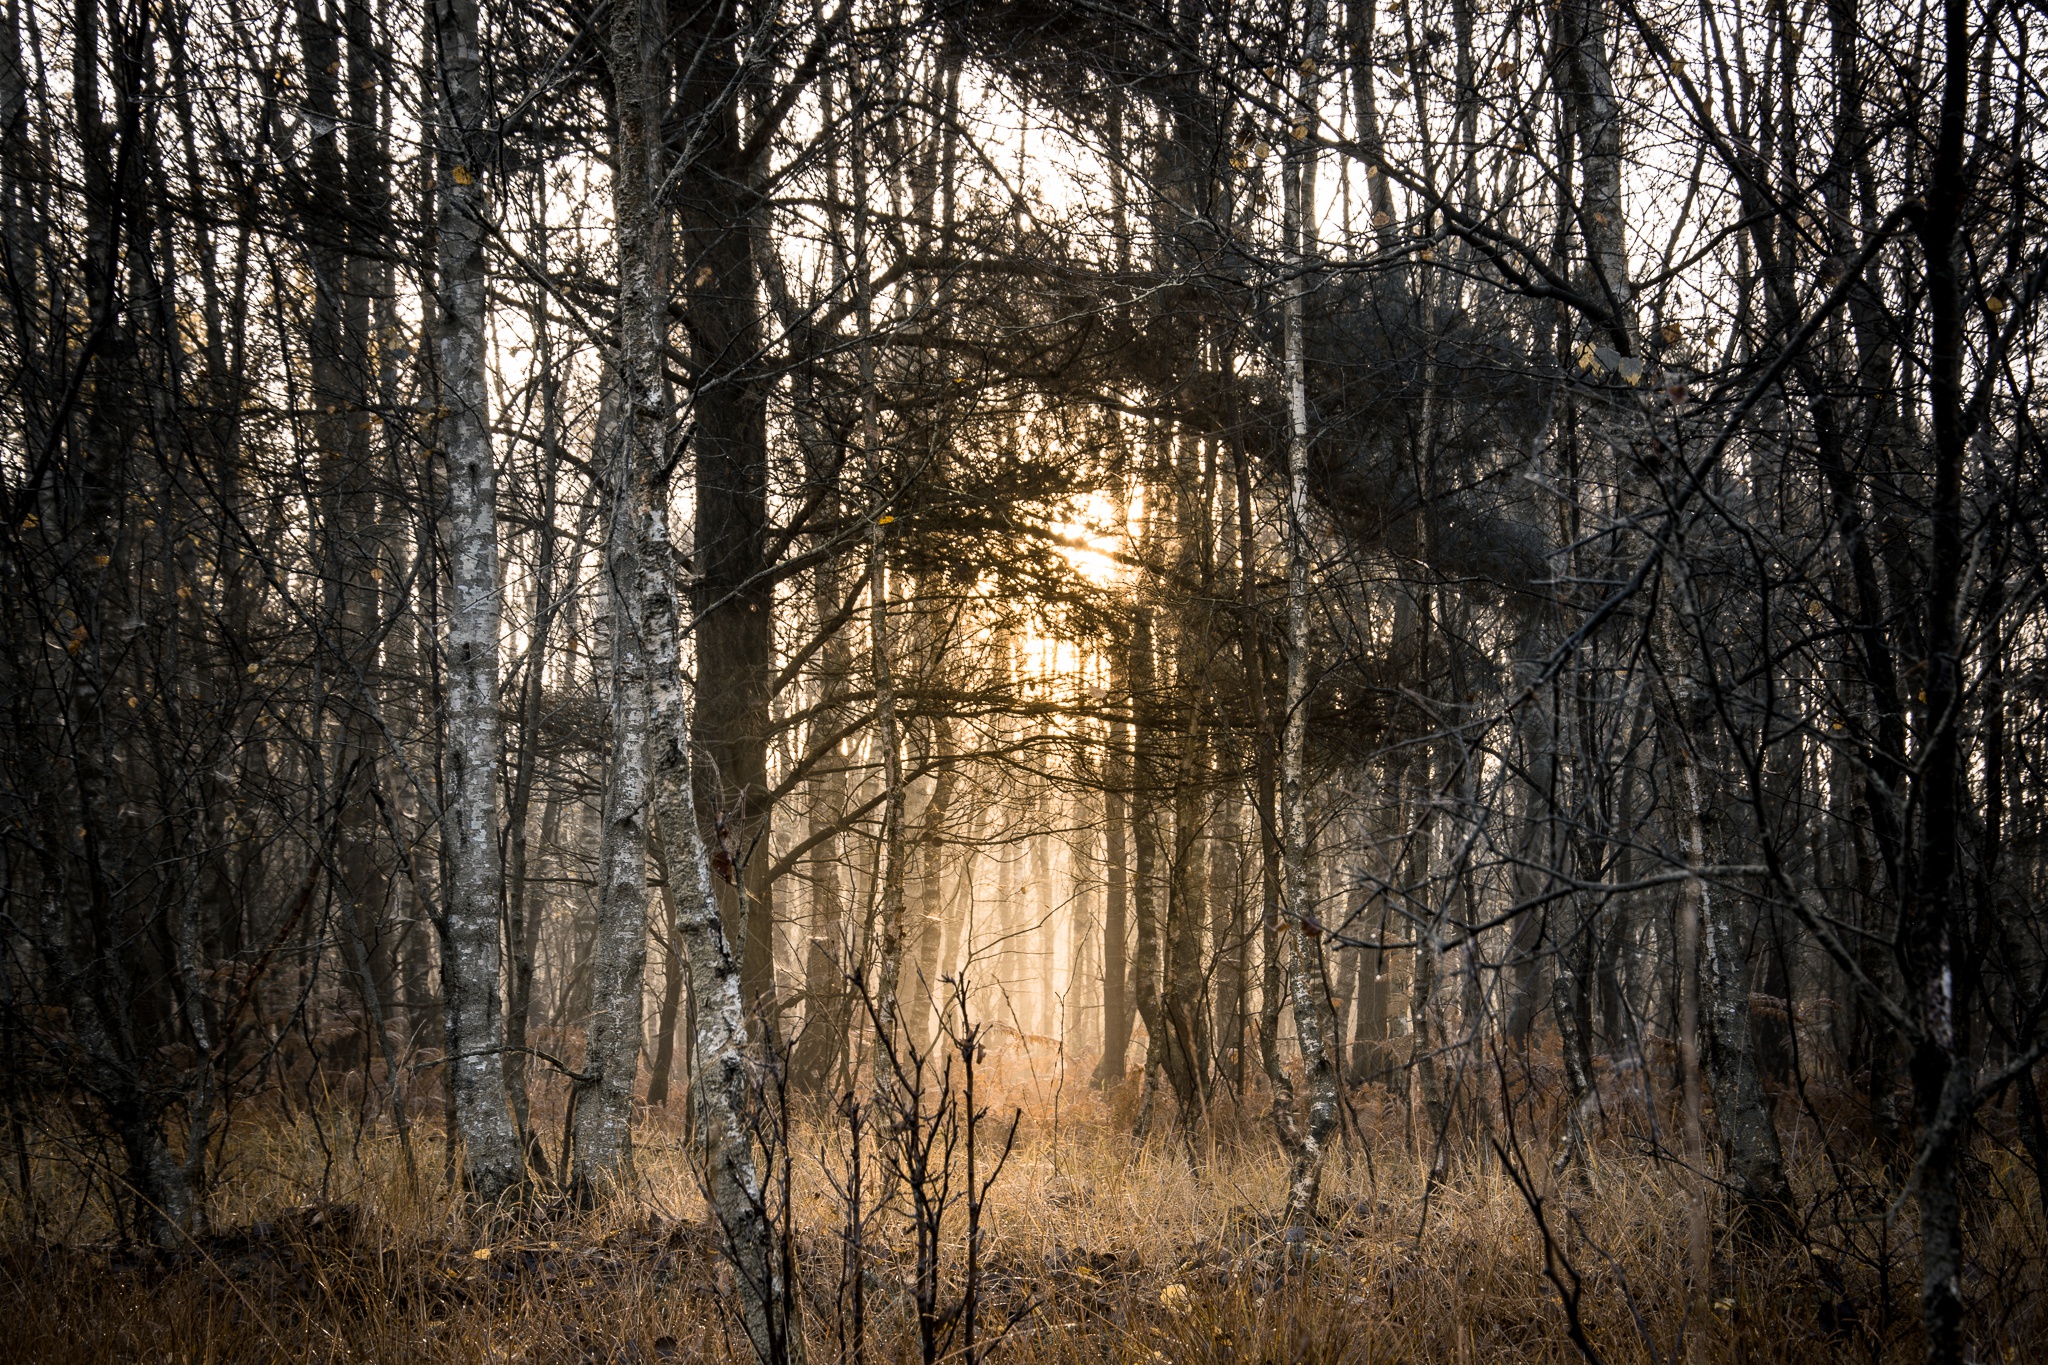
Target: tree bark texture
{"x": 470, "y": 960}
{"x": 603, "y": 1101}
{"x": 715, "y": 202}
{"x": 728, "y": 1085}
{"x": 1306, "y": 982}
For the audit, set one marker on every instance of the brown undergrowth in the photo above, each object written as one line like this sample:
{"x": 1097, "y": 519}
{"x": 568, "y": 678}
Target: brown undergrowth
{"x": 1097, "y": 1247}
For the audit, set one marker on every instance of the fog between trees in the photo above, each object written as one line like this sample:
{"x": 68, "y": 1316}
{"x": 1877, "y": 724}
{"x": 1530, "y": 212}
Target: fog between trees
{"x": 568, "y": 563}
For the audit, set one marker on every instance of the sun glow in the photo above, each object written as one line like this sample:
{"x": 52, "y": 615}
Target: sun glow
{"x": 1092, "y": 540}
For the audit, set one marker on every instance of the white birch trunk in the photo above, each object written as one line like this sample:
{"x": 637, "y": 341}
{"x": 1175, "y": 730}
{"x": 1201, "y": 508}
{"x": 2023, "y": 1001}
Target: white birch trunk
{"x": 1596, "y": 119}
{"x": 724, "y": 1082}
{"x": 612, "y": 1038}
{"x": 1742, "y": 1109}
{"x": 493, "y": 1162}
{"x": 1306, "y": 976}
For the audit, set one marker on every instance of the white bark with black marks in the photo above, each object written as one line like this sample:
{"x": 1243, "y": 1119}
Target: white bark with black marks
{"x": 726, "y": 1084}
{"x": 612, "y": 1038}
{"x": 1306, "y": 975}
{"x": 1595, "y": 117}
{"x": 493, "y": 1162}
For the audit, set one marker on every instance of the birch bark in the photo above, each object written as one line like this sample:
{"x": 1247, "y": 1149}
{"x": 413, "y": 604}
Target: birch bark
{"x": 492, "y": 1163}
{"x": 1742, "y": 1110}
{"x": 1749, "y": 1139}
{"x": 1306, "y": 976}
{"x": 1596, "y": 120}
{"x": 725, "y": 1083}
{"x": 604, "y": 1095}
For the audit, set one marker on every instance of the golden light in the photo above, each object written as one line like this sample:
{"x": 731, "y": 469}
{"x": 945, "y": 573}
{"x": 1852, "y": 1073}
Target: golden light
{"x": 1089, "y": 541}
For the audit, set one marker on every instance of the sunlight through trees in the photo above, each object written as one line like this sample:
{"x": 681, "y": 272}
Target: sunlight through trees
{"x": 820, "y": 600}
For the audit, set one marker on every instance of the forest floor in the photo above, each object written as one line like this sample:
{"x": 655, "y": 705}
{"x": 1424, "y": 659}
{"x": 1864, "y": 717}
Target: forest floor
{"x": 1097, "y": 1247}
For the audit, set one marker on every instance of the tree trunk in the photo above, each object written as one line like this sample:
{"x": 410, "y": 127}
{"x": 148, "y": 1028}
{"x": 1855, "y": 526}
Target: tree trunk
{"x": 731, "y": 1117}
{"x": 470, "y": 961}
{"x": 715, "y": 200}
{"x": 1117, "y": 1002}
{"x": 931, "y": 859}
{"x": 1935, "y": 953}
{"x": 1228, "y": 932}
{"x": 889, "y": 949}
{"x": 1749, "y": 1139}
{"x": 733, "y": 1112}
{"x": 1182, "y": 1006}
{"x": 1145, "y": 826}
{"x": 1568, "y": 1004}
{"x": 603, "y": 1098}
{"x": 1310, "y": 997}
{"x": 1595, "y": 115}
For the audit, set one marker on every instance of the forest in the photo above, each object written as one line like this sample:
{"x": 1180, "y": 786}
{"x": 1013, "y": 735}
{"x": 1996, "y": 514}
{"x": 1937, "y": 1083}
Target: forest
{"x": 999, "y": 680}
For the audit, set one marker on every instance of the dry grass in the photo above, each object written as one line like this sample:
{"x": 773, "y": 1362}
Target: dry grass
{"x": 1098, "y": 1248}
